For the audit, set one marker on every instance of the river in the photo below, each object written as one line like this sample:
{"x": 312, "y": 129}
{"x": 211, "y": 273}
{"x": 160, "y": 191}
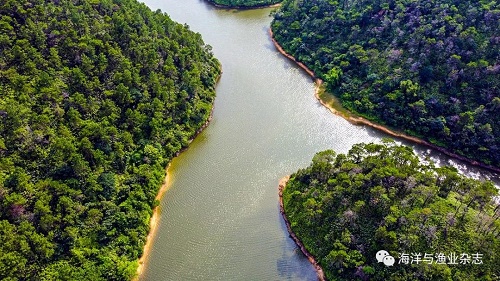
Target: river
{"x": 219, "y": 219}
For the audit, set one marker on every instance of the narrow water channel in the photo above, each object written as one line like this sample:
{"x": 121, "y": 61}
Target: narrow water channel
{"x": 219, "y": 219}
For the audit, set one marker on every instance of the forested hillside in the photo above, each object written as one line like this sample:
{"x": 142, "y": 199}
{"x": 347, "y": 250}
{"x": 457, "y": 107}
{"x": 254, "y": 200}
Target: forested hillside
{"x": 345, "y": 208}
{"x": 429, "y": 68}
{"x": 244, "y": 3}
{"x": 95, "y": 98}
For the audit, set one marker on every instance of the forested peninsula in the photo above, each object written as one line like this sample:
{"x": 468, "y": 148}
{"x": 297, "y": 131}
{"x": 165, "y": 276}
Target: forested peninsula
{"x": 345, "y": 208}
{"x": 95, "y": 98}
{"x": 428, "y": 68}
{"x": 244, "y": 4}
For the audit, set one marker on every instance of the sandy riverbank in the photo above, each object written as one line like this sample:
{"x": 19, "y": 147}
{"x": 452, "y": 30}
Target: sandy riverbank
{"x": 312, "y": 260}
{"x": 153, "y": 222}
{"x": 356, "y": 120}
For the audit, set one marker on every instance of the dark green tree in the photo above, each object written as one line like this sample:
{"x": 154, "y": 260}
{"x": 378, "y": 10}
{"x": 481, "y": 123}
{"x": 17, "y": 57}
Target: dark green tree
{"x": 428, "y": 68}
{"x": 96, "y": 97}
{"x": 345, "y": 208}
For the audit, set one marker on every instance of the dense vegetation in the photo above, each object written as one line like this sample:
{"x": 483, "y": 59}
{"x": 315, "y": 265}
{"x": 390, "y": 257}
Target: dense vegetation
{"x": 245, "y": 3}
{"x": 345, "y": 208}
{"x": 428, "y": 67}
{"x": 95, "y": 98}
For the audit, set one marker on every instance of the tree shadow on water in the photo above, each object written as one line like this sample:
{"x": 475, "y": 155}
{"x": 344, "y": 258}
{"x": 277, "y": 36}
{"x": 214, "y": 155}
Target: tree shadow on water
{"x": 293, "y": 265}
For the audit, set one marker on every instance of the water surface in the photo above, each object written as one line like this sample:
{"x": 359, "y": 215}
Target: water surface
{"x": 220, "y": 219}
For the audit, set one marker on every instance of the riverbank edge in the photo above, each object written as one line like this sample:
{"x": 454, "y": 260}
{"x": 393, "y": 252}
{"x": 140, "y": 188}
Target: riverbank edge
{"x": 310, "y": 257}
{"x": 357, "y": 120}
{"x": 243, "y": 7}
{"x": 154, "y": 220}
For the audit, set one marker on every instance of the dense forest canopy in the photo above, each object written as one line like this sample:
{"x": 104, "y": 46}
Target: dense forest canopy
{"x": 245, "y": 3}
{"x": 347, "y": 207}
{"x": 95, "y": 98}
{"x": 430, "y": 68}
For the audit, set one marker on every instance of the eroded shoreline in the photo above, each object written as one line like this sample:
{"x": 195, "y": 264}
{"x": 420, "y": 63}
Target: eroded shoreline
{"x": 310, "y": 257}
{"x": 356, "y": 120}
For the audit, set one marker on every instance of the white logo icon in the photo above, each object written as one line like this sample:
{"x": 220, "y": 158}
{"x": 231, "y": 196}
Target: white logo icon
{"x": 384, "y": 257}
{"x": 389, "y": 260}
{"x": 381, "y": 254}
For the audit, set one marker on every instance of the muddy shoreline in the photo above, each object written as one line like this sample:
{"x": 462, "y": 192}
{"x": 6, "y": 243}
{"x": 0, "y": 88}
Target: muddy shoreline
{"x": 312, "y": 260}
{"x": 356, "y": 120}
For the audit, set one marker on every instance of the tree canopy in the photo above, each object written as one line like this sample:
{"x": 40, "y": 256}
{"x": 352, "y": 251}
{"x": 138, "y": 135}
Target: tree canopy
{"x": 429, "y": 68}
{"x": 95, "y": 98}
{"x": 347, "y": 207}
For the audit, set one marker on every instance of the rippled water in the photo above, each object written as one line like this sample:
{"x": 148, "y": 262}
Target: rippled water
{"x": 220, "y": 219}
